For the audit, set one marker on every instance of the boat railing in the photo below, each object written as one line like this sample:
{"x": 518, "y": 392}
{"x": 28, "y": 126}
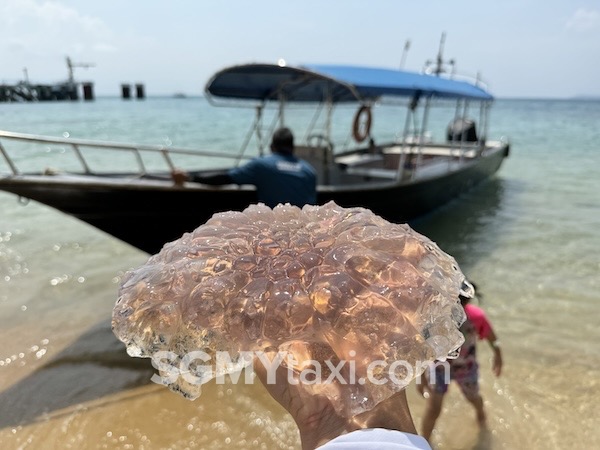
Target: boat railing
{"x": 406, "y": 154}
{"x": 77, "y": 144}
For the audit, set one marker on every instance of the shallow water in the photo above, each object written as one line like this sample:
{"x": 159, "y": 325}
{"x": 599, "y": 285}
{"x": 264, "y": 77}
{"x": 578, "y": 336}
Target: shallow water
{"x": 528, "y": 238}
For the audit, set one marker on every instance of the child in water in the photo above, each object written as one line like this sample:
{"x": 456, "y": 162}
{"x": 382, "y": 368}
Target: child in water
{"x": 464, "y": 370}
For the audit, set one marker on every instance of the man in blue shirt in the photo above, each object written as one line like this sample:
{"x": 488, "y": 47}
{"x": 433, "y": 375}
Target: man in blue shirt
{"x": 279, "y": 177}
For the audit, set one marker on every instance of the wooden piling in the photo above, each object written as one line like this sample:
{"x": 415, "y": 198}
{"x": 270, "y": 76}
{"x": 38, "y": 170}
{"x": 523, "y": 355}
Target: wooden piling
{"x": 88, "y": 90}
{"x": 126, "y": 91}
{"x": 139, "y": 88}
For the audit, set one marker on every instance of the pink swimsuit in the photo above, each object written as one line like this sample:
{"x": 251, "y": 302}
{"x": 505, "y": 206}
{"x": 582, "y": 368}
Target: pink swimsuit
{"x": 464, "y": 369}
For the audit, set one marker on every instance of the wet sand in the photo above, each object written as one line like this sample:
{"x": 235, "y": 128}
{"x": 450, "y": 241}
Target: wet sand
{"x": 92, "y": 395}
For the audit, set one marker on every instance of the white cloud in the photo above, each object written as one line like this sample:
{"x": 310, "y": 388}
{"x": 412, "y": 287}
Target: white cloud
{"x": 584, "y": 20}
{"x": 49, "y": 27}
{"x": 104, "y": 48}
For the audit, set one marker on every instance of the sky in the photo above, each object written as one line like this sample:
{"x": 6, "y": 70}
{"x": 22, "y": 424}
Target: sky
{"x": 520, "y": 48}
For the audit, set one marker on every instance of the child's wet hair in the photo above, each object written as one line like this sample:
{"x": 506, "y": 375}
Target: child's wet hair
{"x": 468, "y": 291}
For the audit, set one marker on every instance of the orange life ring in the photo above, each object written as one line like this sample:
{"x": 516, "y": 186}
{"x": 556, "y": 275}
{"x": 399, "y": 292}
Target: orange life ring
{"x": 361, "y": 128}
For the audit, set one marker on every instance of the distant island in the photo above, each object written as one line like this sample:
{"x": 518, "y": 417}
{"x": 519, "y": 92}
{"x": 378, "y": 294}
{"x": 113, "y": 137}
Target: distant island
{"x": 586, "y": 97}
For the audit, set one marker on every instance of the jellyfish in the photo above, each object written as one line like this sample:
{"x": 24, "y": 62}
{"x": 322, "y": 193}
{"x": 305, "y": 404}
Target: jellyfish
{"x": 355, "y": 306}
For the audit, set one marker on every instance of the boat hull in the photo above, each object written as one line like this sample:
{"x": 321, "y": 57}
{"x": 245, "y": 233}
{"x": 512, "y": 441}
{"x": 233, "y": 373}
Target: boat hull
{"x": 149, "y": 214}
{"x": 403, "y": 203}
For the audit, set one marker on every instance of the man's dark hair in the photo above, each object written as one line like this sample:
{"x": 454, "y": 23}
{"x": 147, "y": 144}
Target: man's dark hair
{"x": 283, "y": 141}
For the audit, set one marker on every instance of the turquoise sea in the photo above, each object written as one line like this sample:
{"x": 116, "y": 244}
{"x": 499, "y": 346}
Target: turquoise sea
{"x": 530, "y": 238}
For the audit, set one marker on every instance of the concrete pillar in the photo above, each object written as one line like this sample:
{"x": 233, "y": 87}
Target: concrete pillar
{"x": 126, "y": 91}
{"x": 139, "y": 88}
{"x": 88, "y": 90}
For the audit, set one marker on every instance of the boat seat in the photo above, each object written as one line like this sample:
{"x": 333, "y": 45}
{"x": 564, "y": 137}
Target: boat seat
{"x": 316, "y": 155}
{"x": 321, "y": 159}
{"x": 371, "y": 172}
{"x": 361, "y": 160}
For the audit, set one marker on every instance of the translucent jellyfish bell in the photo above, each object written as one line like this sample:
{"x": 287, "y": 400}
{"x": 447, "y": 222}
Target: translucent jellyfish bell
{"x": 369, "y": 302}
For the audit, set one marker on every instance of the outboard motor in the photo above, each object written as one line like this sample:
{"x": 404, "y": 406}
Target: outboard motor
{"x": 462, "y": 130}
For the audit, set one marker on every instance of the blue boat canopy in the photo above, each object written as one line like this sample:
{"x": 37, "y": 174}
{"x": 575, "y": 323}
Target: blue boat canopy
{"x": 316, "y": 83}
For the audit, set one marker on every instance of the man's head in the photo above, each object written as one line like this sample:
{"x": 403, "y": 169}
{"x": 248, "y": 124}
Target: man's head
{"x": 283, "y": 141}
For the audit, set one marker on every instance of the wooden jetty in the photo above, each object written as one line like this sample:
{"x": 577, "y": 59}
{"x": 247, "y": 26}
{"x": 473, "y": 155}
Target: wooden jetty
{"x": 25, "y": 91}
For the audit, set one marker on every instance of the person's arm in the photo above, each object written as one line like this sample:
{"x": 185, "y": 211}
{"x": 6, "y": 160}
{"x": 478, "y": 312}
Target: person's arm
{"x": 485, "y": 331}
{"x": 216, "y": 179}
{"x": 497, "y": 359}
{"x": 179, "y": 177}
{"x": 319, "y": 422}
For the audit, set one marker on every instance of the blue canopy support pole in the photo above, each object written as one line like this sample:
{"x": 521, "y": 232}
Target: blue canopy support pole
{"x": 254, "y": 128}
{"x": 486, "y": 119}
{"x": 328, "y": 118}
{"x": 463, "y": 135}
{"x": 453, "y": 141}
{"x": 401, "y": 173}
{"x": 481, "y": 134}
{"x": 328, "y": 160}
{"x": 275, "y": 122}
{"x": 421, "y": 136}
{"x": 281, "y": 111}
{"x": 466, "y": 109}
{"x": 313, "y": 121}
{"x": 326, "y": 105}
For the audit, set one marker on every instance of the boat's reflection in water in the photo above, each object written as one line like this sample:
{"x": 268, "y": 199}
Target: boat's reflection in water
{"x": 469, "y": 227}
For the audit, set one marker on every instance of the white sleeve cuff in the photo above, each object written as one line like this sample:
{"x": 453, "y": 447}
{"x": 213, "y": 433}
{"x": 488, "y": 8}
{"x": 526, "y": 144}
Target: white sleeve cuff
{"x": 377, "y": 438}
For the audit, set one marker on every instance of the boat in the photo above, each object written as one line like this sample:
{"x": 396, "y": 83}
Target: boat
{"x": 401, "y": 177}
